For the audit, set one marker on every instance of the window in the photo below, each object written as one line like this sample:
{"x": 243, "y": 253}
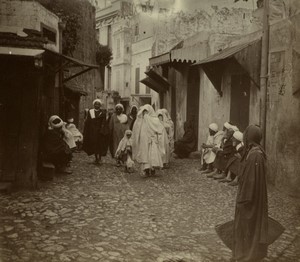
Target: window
{"x": 50, "y": 34}
{"x": 136, "y": 31}
{"x": 137, "y": 80}
{"x": 118, "y": 48}
{"x": 109, "y": 36}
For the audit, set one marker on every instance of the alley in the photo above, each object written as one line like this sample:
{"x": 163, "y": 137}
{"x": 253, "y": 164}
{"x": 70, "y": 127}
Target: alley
{"x": 103, "y": 214}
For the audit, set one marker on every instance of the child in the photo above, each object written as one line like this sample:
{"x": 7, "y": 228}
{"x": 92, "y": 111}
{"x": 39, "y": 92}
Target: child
{"x": 124, "y": 151}
{"x": 78, "y": 137}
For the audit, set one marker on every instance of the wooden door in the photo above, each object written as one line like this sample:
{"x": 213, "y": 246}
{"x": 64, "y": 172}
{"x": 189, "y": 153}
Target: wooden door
{"x": 10, "y": 110}
{"x": 193, "y": 93}
{"x": 240, "y": 100}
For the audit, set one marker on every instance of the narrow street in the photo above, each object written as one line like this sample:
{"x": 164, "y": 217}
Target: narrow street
{"x": 104, "y": 214}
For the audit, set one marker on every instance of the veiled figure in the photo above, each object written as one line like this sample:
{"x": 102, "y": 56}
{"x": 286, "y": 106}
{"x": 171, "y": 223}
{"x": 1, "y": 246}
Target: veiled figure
{"x": 148, "y": 140}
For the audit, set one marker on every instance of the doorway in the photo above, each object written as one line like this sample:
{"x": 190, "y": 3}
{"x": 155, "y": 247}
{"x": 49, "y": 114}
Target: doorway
{"x": 193, "y": 93}
{"x": 240, "y": 101}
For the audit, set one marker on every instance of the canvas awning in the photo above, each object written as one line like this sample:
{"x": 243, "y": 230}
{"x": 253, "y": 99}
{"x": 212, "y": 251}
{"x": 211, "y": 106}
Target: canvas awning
{"x": 151, "y": 83}
{"x": 70, "y": 62}
{"x": 161, "y": 59}
{"x": 190, "y": 54}
{"x": 247, "y": 55}
{"x": 157, "y": 77}
{"x": 16, "y": 51}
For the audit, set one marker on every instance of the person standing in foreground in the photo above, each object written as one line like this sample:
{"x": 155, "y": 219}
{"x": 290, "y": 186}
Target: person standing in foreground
{"x": 251, "y": 214}
{"x": 93, "y": 139}
{"x": 148, "y": 144}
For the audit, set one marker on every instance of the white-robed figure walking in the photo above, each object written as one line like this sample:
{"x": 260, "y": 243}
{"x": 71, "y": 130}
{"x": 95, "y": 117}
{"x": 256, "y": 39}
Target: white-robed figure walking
{"x": 148, "y": 140}
{"x": 163, "y": 119}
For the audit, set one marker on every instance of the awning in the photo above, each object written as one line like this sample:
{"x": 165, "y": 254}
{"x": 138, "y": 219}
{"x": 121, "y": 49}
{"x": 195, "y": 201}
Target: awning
{"x": 190, "y": 54}
{"x": 157, "y": 77}
{"x": 247, "y": 55}
{"x": 161, "y": 59}
{"x": 16, "y": 51}
{"x": 70, "y": 62}
{"x": 153, "y": 85}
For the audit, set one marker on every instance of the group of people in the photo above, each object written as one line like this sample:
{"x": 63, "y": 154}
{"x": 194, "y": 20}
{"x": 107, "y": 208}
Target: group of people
{"x": 144, "y": 136}
{"x": 222, "y": 152}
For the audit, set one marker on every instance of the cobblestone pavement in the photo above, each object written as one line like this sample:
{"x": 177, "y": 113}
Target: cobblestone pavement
{"x": 104, "y": 214}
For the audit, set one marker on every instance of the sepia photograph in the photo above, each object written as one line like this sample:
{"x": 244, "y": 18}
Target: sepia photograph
{"x": 149, "y": 130}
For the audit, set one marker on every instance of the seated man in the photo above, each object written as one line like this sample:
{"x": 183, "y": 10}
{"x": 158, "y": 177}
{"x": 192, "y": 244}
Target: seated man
{"x": 184, "y": 146}
{"x": 233, "y": 164}
{"x": 224, "y": 153}
{"x": 213, "y": 141}
{"x": 55, "y": 149}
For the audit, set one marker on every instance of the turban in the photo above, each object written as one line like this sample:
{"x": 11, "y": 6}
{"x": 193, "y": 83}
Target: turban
{"x": 97, "y": 101}
{"x": 213, "y": 127}
{"x": 227, "y": 125}
{"x": 120, "y": 105}
{"x": 235, "y": 128}
{"x": 55, "y": 122}
{"x": 238, "y": 136}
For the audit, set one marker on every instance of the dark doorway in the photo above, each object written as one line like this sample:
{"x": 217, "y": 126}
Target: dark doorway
{"x": 240, "y": 100}
{"x": 193, "y": 93}
{"x": 10, "y": 118}
{"x": 72, "y": 101}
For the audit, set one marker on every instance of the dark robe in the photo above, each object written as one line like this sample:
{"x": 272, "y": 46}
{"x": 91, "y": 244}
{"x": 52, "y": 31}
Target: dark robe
{"x": 223, "y": 157}
{"x": 251, "y": 214}
{"x": 233, "y": 164}
{"x": 93, "y": 139}
{"x": 131, "y": 121}
{"x": 105, "y": 133}
{"x": 55, "y": 149}
{"x": 184, "y": 146}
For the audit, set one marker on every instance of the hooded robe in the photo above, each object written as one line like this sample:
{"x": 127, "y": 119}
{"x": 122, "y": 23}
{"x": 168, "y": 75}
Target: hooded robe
{"x": 251, "y": 214}
{"x": 148, "y": 140}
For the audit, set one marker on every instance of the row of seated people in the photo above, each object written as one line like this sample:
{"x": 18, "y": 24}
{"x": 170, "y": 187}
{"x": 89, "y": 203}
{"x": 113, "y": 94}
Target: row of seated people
{"x": 222, "y": 152}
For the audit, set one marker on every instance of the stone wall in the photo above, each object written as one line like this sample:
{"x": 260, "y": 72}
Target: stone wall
{"x": 171, "y": 28}
{"x": 86, "y": 52}
{"x": 283, "y": 122}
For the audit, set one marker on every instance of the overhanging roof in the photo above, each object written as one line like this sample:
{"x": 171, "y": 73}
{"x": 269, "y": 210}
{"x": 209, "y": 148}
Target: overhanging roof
{"x": 161, "y": 59}
{"x": 152, "y": 73}
{"x": 76, "y": 87}
{"x": 190, "y": 54}
{"x": 247, "y": 55}
{"x": 70, "y": 62}
{"x": 148, "y": 81}
{"x": 16, "y": 51}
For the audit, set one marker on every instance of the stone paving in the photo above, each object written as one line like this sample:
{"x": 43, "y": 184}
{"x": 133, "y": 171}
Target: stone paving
{"x": 104, "y": 214}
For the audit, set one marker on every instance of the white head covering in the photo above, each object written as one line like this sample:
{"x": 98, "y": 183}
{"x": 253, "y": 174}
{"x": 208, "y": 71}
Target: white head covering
{"x": 227, "y": 125}
{"x": 97, "y": 100}
{"x": 213, "y": 127}
{"x": 119, "y": 105}
{"x": 238, "y": 136}
{"x": 235, "y": 128}
{"x": 52, "y": 125}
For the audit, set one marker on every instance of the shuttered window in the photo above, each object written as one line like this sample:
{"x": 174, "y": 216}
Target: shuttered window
{"x": 137, "y": 80}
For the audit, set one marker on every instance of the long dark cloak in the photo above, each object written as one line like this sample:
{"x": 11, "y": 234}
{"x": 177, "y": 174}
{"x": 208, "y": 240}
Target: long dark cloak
{"x": 185, "y": 145}
{"x": 93, "y": 139}
{"x": 251, "y": 214}
{"x": 55, "y": 149}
